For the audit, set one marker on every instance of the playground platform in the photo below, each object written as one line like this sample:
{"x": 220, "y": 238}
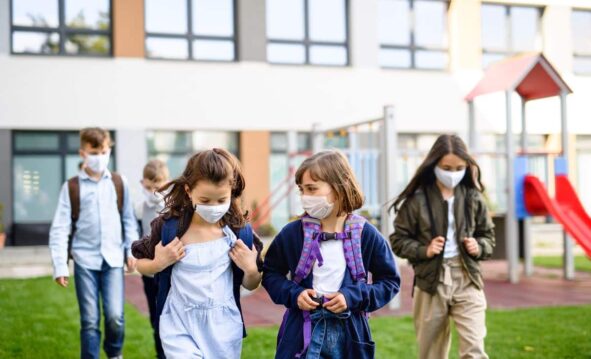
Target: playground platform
{"x": 544, "y": 288}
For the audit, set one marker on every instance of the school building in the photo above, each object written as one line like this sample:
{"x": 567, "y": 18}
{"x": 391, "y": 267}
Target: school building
{"x": 258, "y": 77}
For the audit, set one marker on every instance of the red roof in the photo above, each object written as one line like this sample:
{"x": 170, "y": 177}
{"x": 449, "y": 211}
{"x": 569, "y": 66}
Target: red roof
{"x": 530, "y": 75}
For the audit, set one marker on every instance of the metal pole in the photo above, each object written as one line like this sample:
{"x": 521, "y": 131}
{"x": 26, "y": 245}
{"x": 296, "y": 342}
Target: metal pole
{"x": 388, "y": 156}
{"x": 471, "y": 127}
{"x": 292, "y": 149}
{"x": 510, "y": 221}
{"x": 317, "y": 138}
{"x": 568, "y": 256}
{"x": 527, "y": 240}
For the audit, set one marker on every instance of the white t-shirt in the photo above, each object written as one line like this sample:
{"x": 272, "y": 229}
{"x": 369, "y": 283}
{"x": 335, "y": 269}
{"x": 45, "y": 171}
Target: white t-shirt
{"x": 451, "y": 245}
{"x": 329, "y": 278}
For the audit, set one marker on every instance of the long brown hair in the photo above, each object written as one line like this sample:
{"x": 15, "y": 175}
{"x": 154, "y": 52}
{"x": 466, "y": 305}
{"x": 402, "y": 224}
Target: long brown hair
{"x": 333, "y": 168}
{"x": 425, "y": 174}
{"x": 216, "y": 165}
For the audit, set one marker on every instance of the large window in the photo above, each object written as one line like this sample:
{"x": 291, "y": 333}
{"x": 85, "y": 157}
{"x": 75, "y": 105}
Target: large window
{"x": 307, "y": 32}
{"x": 61, "y": 27}
{"x": 413, "y": 34}
{"x": 191, "y": 29}
{"x": 175, "y": 148}
{"x": 581, "y": 30}
{"x": 507, "y": 30}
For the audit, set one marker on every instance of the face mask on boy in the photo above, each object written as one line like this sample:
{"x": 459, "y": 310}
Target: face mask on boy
{"x": 153, "y": 198}
{"x": 450, "y": 179}
{"x": 98, "y": 163}
{"x": 212, "y": 214}
{"x": 317, "y": 206}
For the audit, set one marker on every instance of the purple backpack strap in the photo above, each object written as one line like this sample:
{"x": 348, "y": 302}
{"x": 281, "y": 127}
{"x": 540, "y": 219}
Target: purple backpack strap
{"x": 352, "y": 246}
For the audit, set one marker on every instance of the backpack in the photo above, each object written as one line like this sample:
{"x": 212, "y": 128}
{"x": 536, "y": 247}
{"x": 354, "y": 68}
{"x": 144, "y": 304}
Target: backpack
{"x": 351, "y": 237}
{"x": 74, "y": 193}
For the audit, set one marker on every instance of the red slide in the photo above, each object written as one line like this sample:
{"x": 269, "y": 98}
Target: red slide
{"x": 566, "y": 208}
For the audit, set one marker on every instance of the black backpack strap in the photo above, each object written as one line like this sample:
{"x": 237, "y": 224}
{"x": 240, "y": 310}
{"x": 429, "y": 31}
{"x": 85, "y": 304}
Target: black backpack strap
{"x": 74, "y": 194}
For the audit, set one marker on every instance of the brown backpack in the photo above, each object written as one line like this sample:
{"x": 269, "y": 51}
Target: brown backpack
{"x": 74, "y": 192}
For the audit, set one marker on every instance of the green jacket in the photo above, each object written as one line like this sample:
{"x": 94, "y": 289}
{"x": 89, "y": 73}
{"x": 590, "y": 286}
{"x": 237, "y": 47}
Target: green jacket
{"x": 412, "y": 233}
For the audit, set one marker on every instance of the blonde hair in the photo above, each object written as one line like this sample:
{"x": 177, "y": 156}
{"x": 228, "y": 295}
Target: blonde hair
{"x": 333, "y": 168}
{"x": 156, "y": 171}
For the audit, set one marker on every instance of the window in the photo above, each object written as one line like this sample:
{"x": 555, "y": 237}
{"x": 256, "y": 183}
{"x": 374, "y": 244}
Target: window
{"x": 175, "y": 148}
{"x": 507, "y": 30}
{"x": 307, "y": 32}
{"x": 581, "y": 29}
{"x": 191, "y": 29}
{"x": 61, "y": 27}
{"x": 413, "y": 34}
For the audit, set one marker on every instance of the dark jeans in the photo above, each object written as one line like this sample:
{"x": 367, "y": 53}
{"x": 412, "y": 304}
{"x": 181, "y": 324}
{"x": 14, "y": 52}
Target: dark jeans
{"x": 108, "y": 284}
{"x": 151, "y": 290}
{"x": 329, "y": 336}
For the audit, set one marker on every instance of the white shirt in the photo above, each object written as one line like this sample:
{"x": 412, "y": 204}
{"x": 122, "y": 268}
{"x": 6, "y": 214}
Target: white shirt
{"x": 329, "y": 278}
{"x": 451, "y": 245}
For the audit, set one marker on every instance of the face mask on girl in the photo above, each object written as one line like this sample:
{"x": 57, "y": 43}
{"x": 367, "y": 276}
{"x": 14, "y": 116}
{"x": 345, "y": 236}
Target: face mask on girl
{"x": 212, "y": 214}
{"x": 450, "y": 179}
{"x": 317, "y": 206}
{"x": 98, "y": 163}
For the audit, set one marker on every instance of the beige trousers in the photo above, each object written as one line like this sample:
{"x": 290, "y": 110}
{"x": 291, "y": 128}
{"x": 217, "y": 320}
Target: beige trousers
{"x": 456, "y": 297}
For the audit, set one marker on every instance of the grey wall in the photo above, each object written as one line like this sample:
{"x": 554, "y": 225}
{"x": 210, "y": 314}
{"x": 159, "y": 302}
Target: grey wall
{"x": 252, "y": 33}
{"x": 6, "y": 176}
{"x": 4, "y": 27}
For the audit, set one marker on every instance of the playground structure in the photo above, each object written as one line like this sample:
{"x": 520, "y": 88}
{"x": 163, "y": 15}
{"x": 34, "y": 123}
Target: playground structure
{"x": 532, "y": 77}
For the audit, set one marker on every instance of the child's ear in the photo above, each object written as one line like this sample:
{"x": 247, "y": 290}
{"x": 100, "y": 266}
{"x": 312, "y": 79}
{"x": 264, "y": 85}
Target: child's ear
{"x": 188, "y": 191}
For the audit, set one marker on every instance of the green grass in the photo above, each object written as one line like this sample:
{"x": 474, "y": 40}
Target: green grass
{"x": 40, "y": 320}
{"x": 582, "y": 263}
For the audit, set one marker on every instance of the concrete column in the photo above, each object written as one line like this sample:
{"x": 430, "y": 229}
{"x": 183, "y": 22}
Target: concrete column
{"x": 128, "y": 28}
{"x": 557, "y": 35}
{"x": 255, "y": 150}
{"x": 252, "y": 30}
{"x": 131, "y": 155}
{"x": 363, "y": 33}
{"x": 465, "y": 45}
{"x": 5, "y": 27}
{"x": 6, "y": 178}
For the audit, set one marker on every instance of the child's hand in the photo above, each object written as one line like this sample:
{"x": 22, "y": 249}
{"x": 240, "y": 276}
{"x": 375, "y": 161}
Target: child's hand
{"x": 435, "y": 247}
{"x": 337, "y": 303}
{"x": 168, "y": 255}
{"x": 131, "y": 262}
{"x": 305, "y": 301}
{"x": 62, "y": 281}
{"x": 472, "y": 246}
{"x": 244, "y": 257}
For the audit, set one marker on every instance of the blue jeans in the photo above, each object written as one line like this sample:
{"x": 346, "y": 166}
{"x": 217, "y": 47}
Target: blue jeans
{"x": 108, "y": 284}
{"x": 329, "y": 336}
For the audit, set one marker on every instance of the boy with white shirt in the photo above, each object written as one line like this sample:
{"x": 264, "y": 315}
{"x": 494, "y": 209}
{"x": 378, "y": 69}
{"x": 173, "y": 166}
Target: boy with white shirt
{"x": 94, "y": 225}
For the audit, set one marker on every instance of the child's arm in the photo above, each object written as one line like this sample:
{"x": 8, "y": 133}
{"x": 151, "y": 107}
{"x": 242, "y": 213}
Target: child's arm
{"x": 275, "y": 268}
{"x": 403, "y": 240}
{"x": 484, "y": 232}
{"x": 129, "y": 221}
{"x": 58, "y": 237}
{"x": 385, "y": 285}
{"x": 152, "y": 256}
{"x": 246, "y": 259}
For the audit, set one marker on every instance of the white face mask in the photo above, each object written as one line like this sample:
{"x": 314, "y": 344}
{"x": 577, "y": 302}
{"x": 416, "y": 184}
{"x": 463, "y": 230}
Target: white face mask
{"x": 316, "y": 206}
{"x": 153, "y": 198}
{"x": 212, "y": 214}
{"x": 450, "y": 179}
{"x": 98, "y": 163}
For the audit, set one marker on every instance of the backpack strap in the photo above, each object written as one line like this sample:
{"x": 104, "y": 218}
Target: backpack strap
{"x": 352, "y": 247}
{"x": 169, "y": 230}
{"x": 246, "y": 235}
{"x": 118, "y": 183}
{"x": 74, "y": 194}
{"x": 310, "y": 249}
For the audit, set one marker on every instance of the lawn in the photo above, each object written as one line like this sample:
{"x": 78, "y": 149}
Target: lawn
{"x": 582, "y": 263}
{"x": 40, "y": 320}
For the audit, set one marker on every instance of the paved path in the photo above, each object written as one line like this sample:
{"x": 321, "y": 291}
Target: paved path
{"x": 544, "y": 288}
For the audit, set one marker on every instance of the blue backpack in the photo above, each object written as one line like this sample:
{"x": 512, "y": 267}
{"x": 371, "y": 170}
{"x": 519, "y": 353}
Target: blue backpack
{"x": 170, "y": 230}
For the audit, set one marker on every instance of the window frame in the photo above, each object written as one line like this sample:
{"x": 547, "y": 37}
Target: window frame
{"x": 507, "y": 9}
{"x": 190, "y": 37}
{"x": 413, "y": 48}
{"x": 586, "y": 56}
{"x": 63, "y": 31}
{"x": 306, "y": 42}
